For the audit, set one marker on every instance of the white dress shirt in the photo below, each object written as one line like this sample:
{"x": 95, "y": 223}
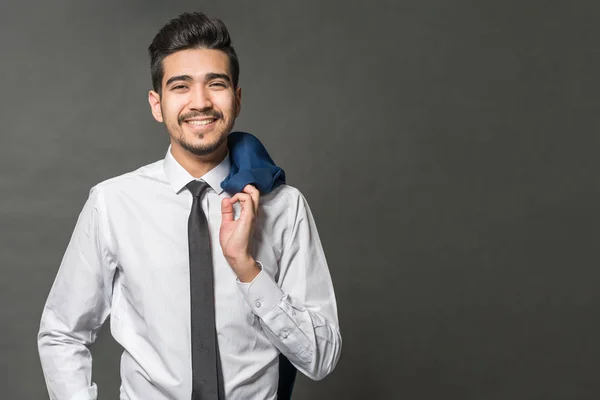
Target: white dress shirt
{"x": 128, "y": 257}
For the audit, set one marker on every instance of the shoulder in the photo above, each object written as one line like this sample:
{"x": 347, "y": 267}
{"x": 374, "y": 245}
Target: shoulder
{"x": 284, "y": 196}
{"x": 286, "y": 204}
{"x": 130, "y": 182}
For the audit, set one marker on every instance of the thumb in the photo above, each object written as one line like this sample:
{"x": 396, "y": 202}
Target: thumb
{"x": 226, "y": 210}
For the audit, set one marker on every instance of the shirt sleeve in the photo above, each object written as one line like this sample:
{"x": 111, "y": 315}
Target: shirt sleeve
{"x": 299, "y": 313}
{"x": 77, "y": 306}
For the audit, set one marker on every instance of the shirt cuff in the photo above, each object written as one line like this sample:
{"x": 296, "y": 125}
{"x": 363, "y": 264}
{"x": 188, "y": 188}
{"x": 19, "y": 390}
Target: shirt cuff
{"x": 89, "y": 393}
{"x": 262, "y": 294}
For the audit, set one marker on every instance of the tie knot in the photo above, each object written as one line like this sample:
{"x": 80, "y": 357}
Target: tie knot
{"x": 197, "y": 188}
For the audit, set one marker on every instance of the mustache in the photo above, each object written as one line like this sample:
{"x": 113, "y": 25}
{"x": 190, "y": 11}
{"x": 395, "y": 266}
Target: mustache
{"x": 206, "y": 112}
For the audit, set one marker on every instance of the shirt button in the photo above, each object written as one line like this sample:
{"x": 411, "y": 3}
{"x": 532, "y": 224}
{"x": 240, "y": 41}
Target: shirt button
{"x": 284, "y": 334}
{"x": 257, "y": 304}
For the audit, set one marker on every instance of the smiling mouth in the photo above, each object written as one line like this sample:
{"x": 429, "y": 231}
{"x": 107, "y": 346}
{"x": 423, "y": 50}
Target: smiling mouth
{"x": 200, "y": 122}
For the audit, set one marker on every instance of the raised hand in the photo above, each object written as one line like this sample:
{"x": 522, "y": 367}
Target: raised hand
{"x": 236, "y": 234}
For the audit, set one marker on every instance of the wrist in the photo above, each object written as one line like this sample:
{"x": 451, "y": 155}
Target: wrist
{"x": 246, "y": 269}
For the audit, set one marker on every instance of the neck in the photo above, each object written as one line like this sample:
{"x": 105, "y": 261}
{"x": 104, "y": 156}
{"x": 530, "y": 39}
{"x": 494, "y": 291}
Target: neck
{"x": 197, "y": 165}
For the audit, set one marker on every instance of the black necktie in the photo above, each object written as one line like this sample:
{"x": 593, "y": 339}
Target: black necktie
{"x": 207, "y": 378}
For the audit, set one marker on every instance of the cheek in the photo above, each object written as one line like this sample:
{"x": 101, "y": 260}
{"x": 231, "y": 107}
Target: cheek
{"x": 228, "y": 108}
{"x": 171, "y": 112}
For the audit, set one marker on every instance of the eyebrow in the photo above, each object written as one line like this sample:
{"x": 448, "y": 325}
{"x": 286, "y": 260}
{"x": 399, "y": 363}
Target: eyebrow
{"x": 208, "y": 77}
{"x": 212, "y": 75}
{"x": 186, "y": 78}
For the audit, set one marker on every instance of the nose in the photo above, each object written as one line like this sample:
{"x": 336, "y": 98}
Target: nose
{"x": 200, "y": 99}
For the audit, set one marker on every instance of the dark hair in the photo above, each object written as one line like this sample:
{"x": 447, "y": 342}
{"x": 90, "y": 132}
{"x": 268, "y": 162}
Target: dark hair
{"x": 190, "y": 31}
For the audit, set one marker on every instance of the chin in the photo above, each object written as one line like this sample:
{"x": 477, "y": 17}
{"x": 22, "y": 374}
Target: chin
{"x": 203, "y": 147}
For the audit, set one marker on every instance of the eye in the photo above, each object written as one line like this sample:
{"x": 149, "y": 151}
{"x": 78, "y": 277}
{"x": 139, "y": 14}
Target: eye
{"x": 218, "y": 84}
{"x": 179, "y": 87}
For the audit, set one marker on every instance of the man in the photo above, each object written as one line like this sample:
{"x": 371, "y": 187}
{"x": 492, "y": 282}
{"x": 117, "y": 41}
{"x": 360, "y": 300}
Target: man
{"x": 205, "y": 288}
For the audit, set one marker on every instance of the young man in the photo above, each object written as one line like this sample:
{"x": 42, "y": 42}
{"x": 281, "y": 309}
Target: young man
{"x": 205, "y": 288}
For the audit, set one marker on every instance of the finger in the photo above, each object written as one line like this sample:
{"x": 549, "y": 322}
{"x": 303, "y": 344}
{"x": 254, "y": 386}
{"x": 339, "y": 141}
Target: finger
{"x": 240, "y": 197}
{"x": 246, "y": 202}
{"x": 226, "y": 210}
{"x": 250, "y": 189}
{"x": 255, "y": 193}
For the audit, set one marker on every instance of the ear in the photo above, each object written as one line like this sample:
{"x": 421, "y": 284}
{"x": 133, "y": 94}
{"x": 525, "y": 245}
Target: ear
{"x": 238, "y": 101}
{"x": 154, "y": 100}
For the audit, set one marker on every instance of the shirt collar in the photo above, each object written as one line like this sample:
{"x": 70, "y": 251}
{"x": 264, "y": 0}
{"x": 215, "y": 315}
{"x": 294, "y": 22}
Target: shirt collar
{"x": 178, "y": 177}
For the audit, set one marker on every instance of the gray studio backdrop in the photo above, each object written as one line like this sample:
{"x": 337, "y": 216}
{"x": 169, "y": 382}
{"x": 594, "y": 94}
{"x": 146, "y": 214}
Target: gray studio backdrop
{"x": 447, "y": 149}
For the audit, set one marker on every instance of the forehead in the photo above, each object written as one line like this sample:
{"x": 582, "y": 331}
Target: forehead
{"x": 195, "y": 63}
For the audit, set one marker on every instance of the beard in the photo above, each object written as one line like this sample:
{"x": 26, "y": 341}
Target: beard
{"x": 177, "y": 133}
{"x": 201, "y": 149}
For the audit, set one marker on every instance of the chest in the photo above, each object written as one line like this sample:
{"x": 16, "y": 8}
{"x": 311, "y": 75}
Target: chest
{"x": 151, "y": 246}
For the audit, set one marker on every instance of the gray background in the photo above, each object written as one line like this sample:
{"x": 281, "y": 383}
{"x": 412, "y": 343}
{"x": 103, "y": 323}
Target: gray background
{"x": 447, "y": 149}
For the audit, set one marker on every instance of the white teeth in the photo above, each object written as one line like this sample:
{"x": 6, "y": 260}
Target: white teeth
{"x": 202, "y": 122}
